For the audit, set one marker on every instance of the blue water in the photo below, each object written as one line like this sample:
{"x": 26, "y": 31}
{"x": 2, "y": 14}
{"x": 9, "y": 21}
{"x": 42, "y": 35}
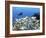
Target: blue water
{"x": 19, "y": 12}
{"x": 24, "y": 11}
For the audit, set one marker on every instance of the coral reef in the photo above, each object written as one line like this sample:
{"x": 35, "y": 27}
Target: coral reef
{"x": 27, "y": 23}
